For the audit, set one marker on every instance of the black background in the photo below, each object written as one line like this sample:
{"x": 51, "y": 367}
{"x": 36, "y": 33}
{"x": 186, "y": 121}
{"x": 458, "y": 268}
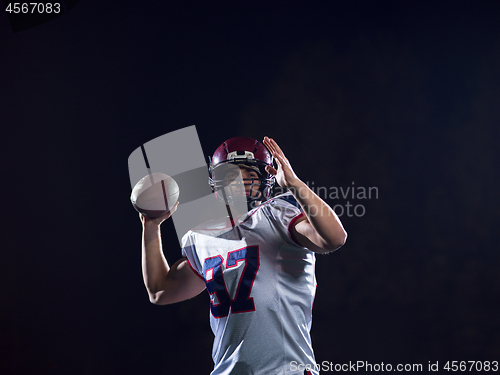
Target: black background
{"x": 402, "y": 96}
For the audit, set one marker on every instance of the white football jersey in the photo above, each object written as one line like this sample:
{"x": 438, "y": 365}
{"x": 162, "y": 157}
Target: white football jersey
{"x": 262, "y": 286}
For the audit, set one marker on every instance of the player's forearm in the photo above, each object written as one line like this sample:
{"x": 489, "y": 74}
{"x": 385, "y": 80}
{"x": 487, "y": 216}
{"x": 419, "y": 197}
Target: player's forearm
{"x": 154, "y": 264}
{"x": 321, "y": 216}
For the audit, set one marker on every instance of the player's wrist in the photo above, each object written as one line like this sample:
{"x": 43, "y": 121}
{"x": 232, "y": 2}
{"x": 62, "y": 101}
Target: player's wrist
{"x": 297, "y": 187}
{"x": 150, "y": 225}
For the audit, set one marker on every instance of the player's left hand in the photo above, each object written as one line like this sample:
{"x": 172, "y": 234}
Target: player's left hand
{"x": 285, "y": 176}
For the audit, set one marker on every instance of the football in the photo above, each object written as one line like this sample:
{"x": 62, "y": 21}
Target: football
{"x": 155, "y": 194}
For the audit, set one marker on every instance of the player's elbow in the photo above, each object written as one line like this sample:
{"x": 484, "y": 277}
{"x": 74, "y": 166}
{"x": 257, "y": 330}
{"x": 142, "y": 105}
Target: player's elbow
{"x": 337, "y": 242}
{"x": 158, "y": 298}
{"x": 342, "y": 238}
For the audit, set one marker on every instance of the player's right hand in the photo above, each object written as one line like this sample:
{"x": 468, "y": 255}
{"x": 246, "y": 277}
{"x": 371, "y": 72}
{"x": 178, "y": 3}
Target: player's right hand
{"x": 157, "y": 220}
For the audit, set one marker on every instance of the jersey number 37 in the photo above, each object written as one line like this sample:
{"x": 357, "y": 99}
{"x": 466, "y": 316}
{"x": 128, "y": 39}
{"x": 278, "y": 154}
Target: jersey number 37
{"x": 216, "y": 286}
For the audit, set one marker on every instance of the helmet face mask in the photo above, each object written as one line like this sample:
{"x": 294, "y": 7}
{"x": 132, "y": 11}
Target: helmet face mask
{"x": 226, "y": 177}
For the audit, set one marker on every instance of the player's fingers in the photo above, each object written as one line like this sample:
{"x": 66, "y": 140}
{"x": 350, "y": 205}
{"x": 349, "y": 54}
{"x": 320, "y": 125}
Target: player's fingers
{"x": 272, "y": 142}
{"x": 174, "y": 208}
{"x": 276, "y": 159}
{"x": 142, "y": 218}
{"x": 280, "y": 159}
{"x": 269, "y": 145}
{"x": 277, "y": 147}
{"x": 160, "y": 219}
{"x": 266, "y": 143}
{"x": 169, "y": 213}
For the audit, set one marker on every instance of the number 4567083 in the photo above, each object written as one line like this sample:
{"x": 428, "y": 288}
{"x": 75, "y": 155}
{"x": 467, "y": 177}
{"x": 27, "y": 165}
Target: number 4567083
{"x": 33, "y": 8}
{"x": 471, "y": 366}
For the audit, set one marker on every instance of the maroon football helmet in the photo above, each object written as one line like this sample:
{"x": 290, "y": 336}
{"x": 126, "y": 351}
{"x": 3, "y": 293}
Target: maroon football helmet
{"x": 241, "y": 151}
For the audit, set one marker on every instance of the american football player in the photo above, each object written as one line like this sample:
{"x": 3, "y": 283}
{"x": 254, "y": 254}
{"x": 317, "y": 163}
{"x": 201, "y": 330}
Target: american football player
{"x": 258, "y": 271}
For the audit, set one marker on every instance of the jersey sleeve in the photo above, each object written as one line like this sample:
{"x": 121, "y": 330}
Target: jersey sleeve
{"x": 286, "y": 212}
{"x": 189, "y": 252}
